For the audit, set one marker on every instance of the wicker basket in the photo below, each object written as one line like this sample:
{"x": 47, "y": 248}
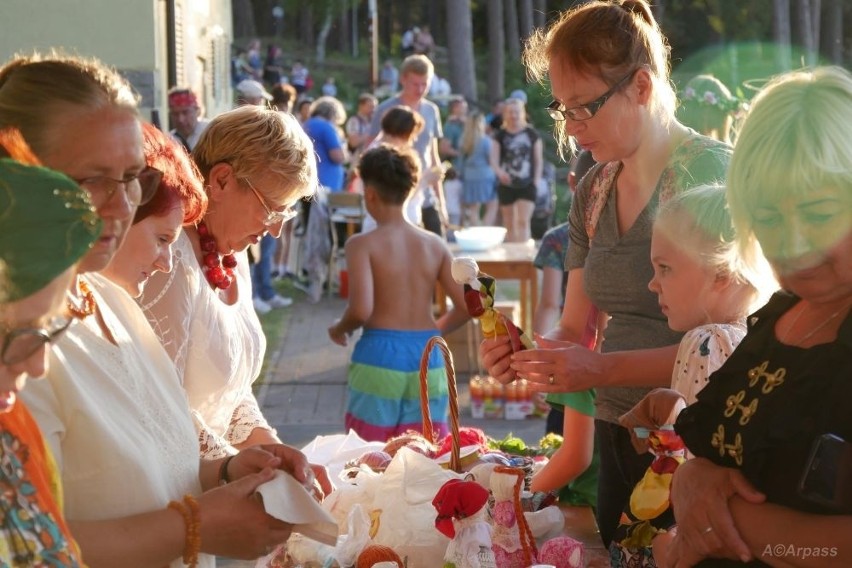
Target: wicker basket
{"x": 428, "y": 431}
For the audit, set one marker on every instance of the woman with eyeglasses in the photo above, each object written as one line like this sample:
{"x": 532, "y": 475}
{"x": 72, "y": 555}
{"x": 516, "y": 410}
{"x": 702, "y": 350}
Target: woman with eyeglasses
{"x": 37, "y": 206}
{"x": 608, "y": 66}
{"x": 111, "y": 406}
{"x": 179, "y": 201}
{"x": 256, "y": 165}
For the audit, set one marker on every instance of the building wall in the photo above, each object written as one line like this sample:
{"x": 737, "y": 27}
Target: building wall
{"x": 131, "y": 35}
{"x": 204, "y": 55}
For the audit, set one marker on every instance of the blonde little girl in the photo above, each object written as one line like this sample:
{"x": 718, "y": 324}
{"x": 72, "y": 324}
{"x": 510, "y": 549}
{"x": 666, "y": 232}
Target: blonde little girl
{"x": 706, "y": 289}
{"x": 704, "y": 286}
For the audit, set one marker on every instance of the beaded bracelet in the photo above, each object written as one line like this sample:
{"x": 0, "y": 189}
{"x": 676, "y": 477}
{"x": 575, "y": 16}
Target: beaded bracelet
{"x": 191, "y": 514}
{"x": 194, "y": 539}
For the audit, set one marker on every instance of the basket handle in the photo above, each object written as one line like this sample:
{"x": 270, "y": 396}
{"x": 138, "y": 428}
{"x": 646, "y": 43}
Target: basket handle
{"x": 428, "y": 431}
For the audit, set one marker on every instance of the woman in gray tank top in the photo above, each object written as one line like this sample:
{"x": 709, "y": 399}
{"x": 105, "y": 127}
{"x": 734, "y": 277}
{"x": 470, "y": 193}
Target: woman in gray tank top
{"x": 609, "y": 72}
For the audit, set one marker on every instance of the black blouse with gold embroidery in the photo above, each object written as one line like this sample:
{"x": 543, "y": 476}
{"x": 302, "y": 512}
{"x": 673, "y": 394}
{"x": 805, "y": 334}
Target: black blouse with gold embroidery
{"x": 763, "y": 409}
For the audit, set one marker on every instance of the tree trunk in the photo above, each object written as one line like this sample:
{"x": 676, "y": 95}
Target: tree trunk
{"x": 354, "y": 35}
{"x": 343, "y": 36}
{"x": 513, "y": 37}
{"x": 833, "y": 37}
{"x": 434, "y": 23}
{"x": 781, "y": 33}
{"x": 264, "y": 23}
{"x": 806, "y": 27}
{"x": 816, "y": 19}
{"x": 404, "y": 15}
{"x": 496, "y": 51}
{"x": 306, "y": 23}
{"x": 386, "y": 25}
{"x": 460, "y": 48}
{"x": 243, "y": 13}
{"x": 659, "y": 11}
{"x": 540, "y": 13}
{"x": 323, "y": 34}
{"x": 525, "y": 18}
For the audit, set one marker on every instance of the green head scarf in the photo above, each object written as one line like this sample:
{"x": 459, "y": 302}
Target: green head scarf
{"x": 47, "y": 223}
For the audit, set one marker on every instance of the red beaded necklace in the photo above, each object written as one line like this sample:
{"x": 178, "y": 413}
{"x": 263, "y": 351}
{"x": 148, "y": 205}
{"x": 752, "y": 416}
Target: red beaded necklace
{"x": 219, "y": 270}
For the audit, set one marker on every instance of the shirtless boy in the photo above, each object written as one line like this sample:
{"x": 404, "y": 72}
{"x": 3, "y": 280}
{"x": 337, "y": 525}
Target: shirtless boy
{"x": 392, "y": 275}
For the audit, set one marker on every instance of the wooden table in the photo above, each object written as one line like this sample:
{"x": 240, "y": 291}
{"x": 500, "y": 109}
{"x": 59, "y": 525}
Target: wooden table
{"x": 580, "y": 525}
{"x": 507, "y": 261}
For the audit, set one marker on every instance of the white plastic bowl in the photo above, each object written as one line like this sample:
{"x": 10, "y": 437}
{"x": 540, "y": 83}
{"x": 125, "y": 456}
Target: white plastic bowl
{"x": 475, "y": 239}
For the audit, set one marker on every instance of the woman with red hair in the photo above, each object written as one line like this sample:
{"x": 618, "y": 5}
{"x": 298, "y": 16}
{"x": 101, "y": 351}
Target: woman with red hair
{"x": 179, "y": 200}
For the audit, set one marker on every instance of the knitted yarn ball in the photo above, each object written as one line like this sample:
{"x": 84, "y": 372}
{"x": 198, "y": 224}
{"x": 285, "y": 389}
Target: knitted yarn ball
{"x": 468, "y": 436}
{"x": 563, "y": 552}
{"x": 375, "y": 553}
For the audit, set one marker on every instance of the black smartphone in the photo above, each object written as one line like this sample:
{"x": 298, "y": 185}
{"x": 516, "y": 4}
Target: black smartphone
{"x": 827, "y": 477}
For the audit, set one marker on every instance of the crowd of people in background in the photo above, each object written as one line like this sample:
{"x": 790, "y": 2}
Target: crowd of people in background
{"x": 482, "y": 167}
{"x": 697, "y": 295}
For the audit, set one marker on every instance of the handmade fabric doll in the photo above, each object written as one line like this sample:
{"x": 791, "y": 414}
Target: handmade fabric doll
{"x": 461, "y": 516}
{"x": 513, "y": 543}
{"x": 513, "y": 534}
{"x": 479, "y": 291}
{"x": 649, "y": 512}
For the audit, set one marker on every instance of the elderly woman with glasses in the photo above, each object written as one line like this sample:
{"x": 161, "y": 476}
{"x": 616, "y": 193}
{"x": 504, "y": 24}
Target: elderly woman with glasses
{"x": 256, "y": 165}
{"x": 38, "y": 206}
{"x": 608, "y": 66}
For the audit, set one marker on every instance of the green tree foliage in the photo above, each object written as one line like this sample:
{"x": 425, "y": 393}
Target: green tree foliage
{"x": 729, "y": 38}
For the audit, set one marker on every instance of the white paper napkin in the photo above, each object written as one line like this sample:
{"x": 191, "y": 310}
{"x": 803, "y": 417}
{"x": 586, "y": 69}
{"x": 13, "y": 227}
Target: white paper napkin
{"x": 286, "y": 499}
{"x": 335, "y": 450}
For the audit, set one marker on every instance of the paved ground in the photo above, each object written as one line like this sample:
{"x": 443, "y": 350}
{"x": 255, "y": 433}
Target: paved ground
{"x": 304, "y": 395}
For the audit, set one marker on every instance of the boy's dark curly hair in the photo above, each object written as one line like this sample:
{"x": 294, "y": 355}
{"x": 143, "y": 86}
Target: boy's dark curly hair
{"x": 393, "y": 172}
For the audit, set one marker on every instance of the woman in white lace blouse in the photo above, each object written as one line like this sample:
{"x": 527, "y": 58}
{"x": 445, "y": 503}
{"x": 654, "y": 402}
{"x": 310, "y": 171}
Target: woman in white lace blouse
{"x": 256, "y": 163}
